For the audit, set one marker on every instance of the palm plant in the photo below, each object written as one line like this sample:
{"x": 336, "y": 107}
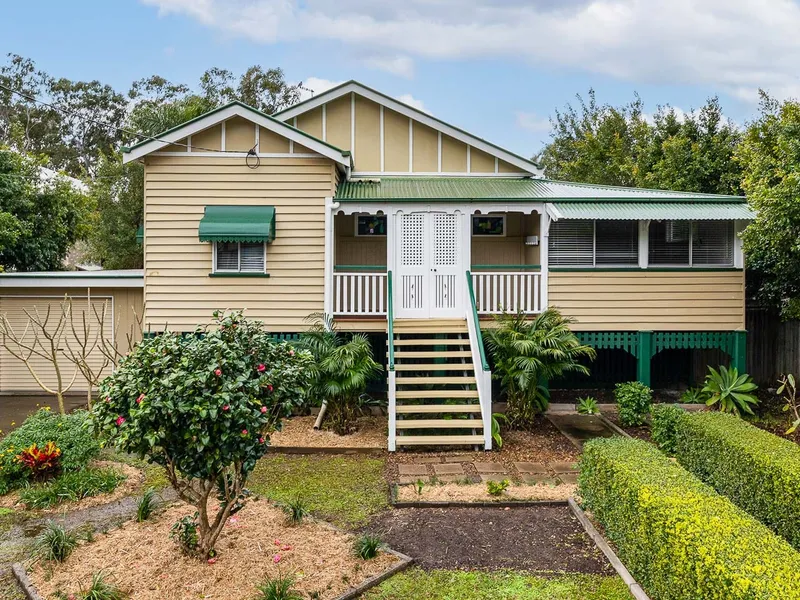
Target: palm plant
{"x": 529, "y": 352}
{"x": 730, "y": 390}
{"x": 343, "y": 366}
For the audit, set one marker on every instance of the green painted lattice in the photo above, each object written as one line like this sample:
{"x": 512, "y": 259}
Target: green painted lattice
{"x": 678, "y": 340}
{"x": 611, "y": 340}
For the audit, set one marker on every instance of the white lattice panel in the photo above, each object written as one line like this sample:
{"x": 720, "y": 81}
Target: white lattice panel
{"x": 445, "y": 240}
{"x": 412, "y": 240}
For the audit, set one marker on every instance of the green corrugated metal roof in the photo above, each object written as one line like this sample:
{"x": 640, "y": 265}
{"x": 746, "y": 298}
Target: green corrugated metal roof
{"x": 655, "y": 211}
{"x": 238, "y": 224}
{"x": 505, "y": 188}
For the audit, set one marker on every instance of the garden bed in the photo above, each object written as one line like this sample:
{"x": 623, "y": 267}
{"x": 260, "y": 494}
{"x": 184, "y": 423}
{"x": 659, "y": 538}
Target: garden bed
{"x": 299, "y": 432}
{"x": 641, "y": 432}
{"x": 141, "y": 560}
{"x": 532, "y": 538}
{"x": 476, "y": 492}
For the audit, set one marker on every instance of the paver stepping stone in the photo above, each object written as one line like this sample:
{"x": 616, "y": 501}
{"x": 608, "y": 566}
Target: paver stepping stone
{"x": 568, "y": 477}
{"x": 530, "y": 467}
{"x": 412, "y": 469}
{"x": 489, "y": 467}
{"x": 564, "y": 467}
{"x": 448, "y": 469}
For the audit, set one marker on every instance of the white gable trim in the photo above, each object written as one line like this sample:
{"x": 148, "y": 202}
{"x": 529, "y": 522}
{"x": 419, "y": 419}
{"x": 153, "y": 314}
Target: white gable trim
{"x": 411, "y": 113}
{"x": 220, "y": 116}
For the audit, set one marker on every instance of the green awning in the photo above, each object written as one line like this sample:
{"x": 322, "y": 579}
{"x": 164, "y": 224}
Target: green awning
{"x": 140, "y": 234}
{"x": 238, "y": 224}
{"x": 653, "y": 211}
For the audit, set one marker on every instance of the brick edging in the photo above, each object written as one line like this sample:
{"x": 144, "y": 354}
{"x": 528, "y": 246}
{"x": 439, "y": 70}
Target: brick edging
{"x": 21, "y": 575}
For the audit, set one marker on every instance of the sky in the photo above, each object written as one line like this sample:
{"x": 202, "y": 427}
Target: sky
{"x": 497, "y": 68}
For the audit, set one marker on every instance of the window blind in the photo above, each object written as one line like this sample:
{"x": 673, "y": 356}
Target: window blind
{"x": 712, "y": 243}
{"x": 669, "y": 242}
{"x": 616, "y": 243}
{"x": 252, "y": 257}
{"x": 571, "y": 243}
{"x": 227, "y": 256}
{"x": 589, "y": 243}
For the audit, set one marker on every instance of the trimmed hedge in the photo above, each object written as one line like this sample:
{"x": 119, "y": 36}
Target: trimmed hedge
{"x": 677, "y": 536}
{"x": 758, "y": 471}
{"x": 664, "y": 426}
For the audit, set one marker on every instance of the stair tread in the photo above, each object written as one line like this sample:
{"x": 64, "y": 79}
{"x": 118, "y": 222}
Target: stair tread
{"x": 432, "y": 354}
{"x": 431, "y": 342}
{"x": 446, "y": 394}
{"x": 437, "y": 408}
{"x": 435, "y": 367}
{"x": 425, "y": 440}
{"x": 467, "y": 379}
{"x": 439, "y": 424}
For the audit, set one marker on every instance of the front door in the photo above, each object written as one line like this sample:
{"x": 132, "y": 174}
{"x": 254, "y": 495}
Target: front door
{"x": 428, "y": 265}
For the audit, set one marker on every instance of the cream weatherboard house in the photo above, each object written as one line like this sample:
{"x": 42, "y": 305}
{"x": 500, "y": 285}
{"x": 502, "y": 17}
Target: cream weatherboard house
{"x": 398, "y": 223}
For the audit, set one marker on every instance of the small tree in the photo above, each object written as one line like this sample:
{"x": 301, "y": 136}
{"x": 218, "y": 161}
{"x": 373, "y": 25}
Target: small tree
{"x": 528, "y": 352}
{"x": 343, "y": 366}
{"x": 203, "y": 407}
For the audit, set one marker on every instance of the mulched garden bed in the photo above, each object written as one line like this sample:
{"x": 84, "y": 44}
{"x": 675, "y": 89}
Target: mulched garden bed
{"x": 641, "y": 432}
{"x": 535, "y": 538}
{"x": 299, "y": 432}
{"x": 476, "y": 492}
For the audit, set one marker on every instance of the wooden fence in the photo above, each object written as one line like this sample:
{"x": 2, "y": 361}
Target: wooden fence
{"x": 773, "y": 346}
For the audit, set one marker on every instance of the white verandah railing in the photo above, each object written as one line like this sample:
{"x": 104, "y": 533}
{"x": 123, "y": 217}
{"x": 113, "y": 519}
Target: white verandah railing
{"x": 359, "y": 294}
{"x": 507, "y": 291}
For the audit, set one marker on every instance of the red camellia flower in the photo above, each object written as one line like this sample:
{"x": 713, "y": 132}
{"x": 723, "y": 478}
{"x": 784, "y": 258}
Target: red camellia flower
{"x": 244, "y": 431}
{"x": 269, "y": 387}
{"x": 261, "y": 440}
{"x": 261, "y": 368}
{"x": 263, "y": 409}
{"x": 291, "y": 352}
{"x": 226, "y": 407}
{"x": 217, "y": 372}
{"x": 120, "y": 420}
{"x": 211, "y": 561}
{"x": 140, "y": 398}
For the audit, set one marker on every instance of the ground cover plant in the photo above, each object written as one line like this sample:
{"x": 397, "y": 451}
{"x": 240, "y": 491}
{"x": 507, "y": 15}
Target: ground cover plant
{"x": 202, "y": 406}
{"x": 729, "y": 391}
{"x": 343, "y": 489}
{"x": 677, "y": 536}
{"x": 70, "y": 436}
{"x": 633, "y": 402}
{"x": 497, "y": 585}
{"x": 71, "y": 487}
{"x": 587, "y": 406}
{"x": 527, "y": 353}
{"x": 757, "y": 470}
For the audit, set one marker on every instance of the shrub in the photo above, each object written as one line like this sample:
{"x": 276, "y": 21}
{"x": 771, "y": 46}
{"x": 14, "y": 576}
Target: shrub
{"x": 730, "y": 390}
{"x": 496, "y": 488}
{"x": 41, "y": 463}
{"x": 757, "y": 470}
{"x": 528, "y": 352}
{"x": 367, "y": 546}
{"x": 203, "y": 406}
{"x": 678, "y": 537}
{"x": 278, "y": 588}
{"x": 55, "y": 543}
{"x": 664, "y": 426}
{"x": 70, "y": 433}
{"x": 694, "y": 395}
{"x": 633, "y": 402}
{"x": 184, "y": 532}
{"x": 71, "y": 487}
{"x": 788, "y": 391}
{"x": 145, "y": 505}
{"x": 587, "y": 406}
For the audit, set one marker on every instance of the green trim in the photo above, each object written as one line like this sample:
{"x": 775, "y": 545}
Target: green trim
{"x": 739, "y": 356}
{"x": 390, "y": 319}
{"x": 241, "y": 223}
{"x": 611, "y": 340}
{"x": 644, "y": 358}
{"x": 237, "y": 274}
{"x": 416, "y": 110}
{"x": 476, "y": 321}
{"x": 639, "y": 269}
{"x": 128, "y": 149}
{"x": 518, "y": 267}
{"x": 380, "y": 268}
{"x": 140, "y": 235}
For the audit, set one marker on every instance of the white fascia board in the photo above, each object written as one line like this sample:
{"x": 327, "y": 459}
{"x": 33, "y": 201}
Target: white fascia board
{"x": 554, "y": 213}
{"x": 235, "y": 110}
{"x": 411, "y": 113}
{"x": 71, "y": 282}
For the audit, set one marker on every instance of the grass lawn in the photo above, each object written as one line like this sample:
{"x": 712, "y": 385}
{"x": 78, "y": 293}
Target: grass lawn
{"x": 498, "y": 585}
{"x": 345, "y": 490}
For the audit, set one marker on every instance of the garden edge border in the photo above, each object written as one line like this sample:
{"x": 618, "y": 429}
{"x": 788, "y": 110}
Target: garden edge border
{"x": 395, "y": 503}
{"x": 633, "y": 586}
{"x": 616, "y": 428}
{"x": 21, "y": 575}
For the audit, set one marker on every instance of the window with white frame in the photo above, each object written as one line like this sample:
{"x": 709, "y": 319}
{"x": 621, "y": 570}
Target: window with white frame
{"x": 691, "y": 243}
{"x": 589, "y": 243}
{"x": 240, "y": 257}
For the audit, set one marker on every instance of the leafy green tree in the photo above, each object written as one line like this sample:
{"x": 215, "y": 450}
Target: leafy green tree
{"x": 770, "y": 157}
{"x": 527, "y": 353}
{"x": 47, "y": 217}
{"x": 203, "y": 407}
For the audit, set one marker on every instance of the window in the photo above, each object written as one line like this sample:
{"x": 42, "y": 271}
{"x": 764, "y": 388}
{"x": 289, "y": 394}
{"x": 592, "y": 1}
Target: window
{"x": 239, "y": 257}
{"x": 691, "y": 243}
{"x": 575, "y": 242}
{"x": 370, "y": 225}
{"x": 489, "y": 225}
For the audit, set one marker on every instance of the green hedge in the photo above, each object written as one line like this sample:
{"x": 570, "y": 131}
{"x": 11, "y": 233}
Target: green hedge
{"x": 677, "y": 536}
{"x": 664, "y": 426}
{"x": 758, "y": 471}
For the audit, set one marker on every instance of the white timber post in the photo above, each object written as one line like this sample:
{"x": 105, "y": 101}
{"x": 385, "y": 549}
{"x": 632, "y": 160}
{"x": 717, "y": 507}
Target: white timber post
{"x": 392, "y": 411}
{"x": 330, "y": 206}
{"x": 738, "y": 248}
{"x": 644, "y": 243}
{"x": 544, "y": 250}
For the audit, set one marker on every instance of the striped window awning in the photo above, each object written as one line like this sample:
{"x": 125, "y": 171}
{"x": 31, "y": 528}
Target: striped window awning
{"x": 652, "y": 211}
{"x": 238, "y": 224}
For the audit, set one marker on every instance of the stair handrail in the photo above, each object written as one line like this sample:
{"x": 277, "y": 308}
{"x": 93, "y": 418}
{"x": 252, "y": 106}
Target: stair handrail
{"x": 390, "y": 318}
{"x": 392, "y": 382}
{"x": 483, "y": 377}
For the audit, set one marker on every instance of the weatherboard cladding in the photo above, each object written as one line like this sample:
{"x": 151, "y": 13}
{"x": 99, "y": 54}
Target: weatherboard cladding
{"x": 501, "y": 188}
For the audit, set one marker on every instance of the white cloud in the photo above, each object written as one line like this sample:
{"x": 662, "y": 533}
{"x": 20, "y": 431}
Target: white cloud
{"x": 314, "y": 85}
{"x": 412, "y": 102}
{"x": 736, "y": 46}
{"x": 402, "y": 66}
{"x": 532, "y": 122}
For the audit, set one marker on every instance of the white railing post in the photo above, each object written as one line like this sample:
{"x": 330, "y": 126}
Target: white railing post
{"x": 327, "y": 303}
{"x": 509, "y": 291}
{"x": 359, "y": 294}
{"x": 392, "y": 409}
{"x": 544, "y": 230}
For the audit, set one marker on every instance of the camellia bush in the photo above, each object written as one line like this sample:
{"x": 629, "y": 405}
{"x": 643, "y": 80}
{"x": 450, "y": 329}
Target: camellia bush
{"x": 203, "y": 407}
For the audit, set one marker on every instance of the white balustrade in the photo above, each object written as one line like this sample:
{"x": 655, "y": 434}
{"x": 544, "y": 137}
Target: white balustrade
{"x": 507, "y": 291}
{"x": 359, "y": 294}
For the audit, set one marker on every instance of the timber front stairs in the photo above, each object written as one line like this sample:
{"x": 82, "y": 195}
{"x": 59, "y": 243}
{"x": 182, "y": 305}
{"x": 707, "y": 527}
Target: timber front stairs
{"x": 437, "y": 401}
